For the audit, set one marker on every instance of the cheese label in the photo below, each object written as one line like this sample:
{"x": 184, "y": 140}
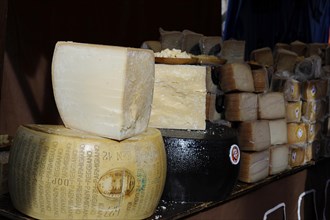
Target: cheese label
{"x": 297, "y": 112}
{"x": 313, "y": 91}
{"x": 234, "y": 154}
{"x": 299, "y": 133}
{"x": 294, "y": 156}
{"x": 59, "y": 173}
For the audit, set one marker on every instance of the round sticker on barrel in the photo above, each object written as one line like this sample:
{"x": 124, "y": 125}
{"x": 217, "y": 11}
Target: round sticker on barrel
{"x": 234, "y": 154}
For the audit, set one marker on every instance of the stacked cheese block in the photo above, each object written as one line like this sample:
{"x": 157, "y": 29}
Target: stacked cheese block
{"x": 260, "y": 116}
{"x": 106, "y": 163}
{"x": 199, "y": 163}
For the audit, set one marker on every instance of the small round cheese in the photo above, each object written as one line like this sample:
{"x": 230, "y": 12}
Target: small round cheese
{"x": 59, "y": 173}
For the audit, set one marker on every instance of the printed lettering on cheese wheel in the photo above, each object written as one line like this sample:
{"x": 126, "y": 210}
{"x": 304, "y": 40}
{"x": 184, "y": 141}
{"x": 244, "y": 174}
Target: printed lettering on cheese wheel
{"x": 234, "y": 154}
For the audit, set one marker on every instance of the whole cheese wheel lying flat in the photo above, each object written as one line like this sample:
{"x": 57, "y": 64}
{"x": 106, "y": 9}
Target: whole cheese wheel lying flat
{"x": 60, "y": 173}
{"x": 103, "y": 90}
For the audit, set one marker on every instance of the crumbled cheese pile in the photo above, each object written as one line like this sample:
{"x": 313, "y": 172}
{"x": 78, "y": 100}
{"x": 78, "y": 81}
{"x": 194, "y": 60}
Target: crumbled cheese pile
{"x": 173, "y": 53}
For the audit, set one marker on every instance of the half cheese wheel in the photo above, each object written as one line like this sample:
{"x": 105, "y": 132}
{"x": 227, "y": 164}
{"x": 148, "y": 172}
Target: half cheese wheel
{"x": 59, "y": 173}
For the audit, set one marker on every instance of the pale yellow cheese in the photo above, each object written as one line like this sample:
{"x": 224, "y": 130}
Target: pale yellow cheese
{"x": 241, "y": 106}
{"x": 297, "y": 133}
{"x": 179, "y": 100}
{"x": 271, "y": 105}
{"x": 278, "y": 131}
{"x": 254, "y": 166}
{"x": 59, "y": 173}
{"x": 314, "y": 89}
{"x": 293, "y": 111}
{"x": 254, "y": 135}
{"x": 103, "y": 90}
{"x": 278, "y": 159}
{"x": 236, "y": 77}
{"x": 296, "y": 155}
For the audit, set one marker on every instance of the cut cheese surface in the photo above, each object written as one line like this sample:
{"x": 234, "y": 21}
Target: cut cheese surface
{"x": 254, "y": 135}
{"x": 60, "y": 173}
{"x": 236, "y": 77}
{"x": 179, "y": 100}
{"x": 279, "y": 159}
{"x": 241, "y": 106}
{"x": 103, "y": 90}
{"x": 271, "y": 105}
{"x": 278, "y": 131}
{"x": 254, "y": 166}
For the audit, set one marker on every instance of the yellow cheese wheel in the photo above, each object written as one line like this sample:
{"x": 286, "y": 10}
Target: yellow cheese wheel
{"x": 59, "y": 173}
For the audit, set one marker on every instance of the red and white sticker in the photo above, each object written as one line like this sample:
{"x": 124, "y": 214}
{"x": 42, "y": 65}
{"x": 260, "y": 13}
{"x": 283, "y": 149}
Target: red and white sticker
{"x": 234, "y": 154}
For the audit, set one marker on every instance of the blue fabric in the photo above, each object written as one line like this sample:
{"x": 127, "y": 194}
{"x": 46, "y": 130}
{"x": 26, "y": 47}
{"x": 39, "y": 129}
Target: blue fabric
{"x": 264, "y": 23}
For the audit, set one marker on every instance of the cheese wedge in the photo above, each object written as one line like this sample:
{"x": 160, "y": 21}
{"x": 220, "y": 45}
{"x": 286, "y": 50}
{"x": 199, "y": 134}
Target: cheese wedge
{"x": 293, "y": 111}
{"x": 278, "y": 159}
{"x": 271, "y": 105}
{"x": 278, "y": 131}
{"x": 241, "y": 106}
{"x": 179, "y": 100}
{"x": 236, "y": 77}
{"x": 60, "y": 173}
{"x": 103, "y": 90}
{"x": 263, "y": 56}
{"x": 254, "y": 135}
{"x": 254, "y": 166}
{"x": 285, "y": 60}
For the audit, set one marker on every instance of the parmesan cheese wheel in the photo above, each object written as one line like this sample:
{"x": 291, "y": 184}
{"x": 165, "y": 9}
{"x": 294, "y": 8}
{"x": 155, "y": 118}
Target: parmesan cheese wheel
{"x": 103, "y": 90}
{"x": 59, "y": 173}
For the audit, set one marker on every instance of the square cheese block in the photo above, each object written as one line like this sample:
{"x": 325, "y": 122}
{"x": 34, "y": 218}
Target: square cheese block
{"x": 254, "y": 166}
{"x": 297, "y": 133}
{"x": 236, "y": 77}
{"x": 278, "y": 131}
{"x": 233, "y": 51}
{"x": 296, "y": 155}
{"x": 254, "y": 135}
{"x": 314, "y": 89}
{"x": 241, "y": 106}
{"x": 263, "y": 56}
{"x": 278, "y": 159}
{"x": 179, "y": 100}
{"x": 271, "y": 105}
{"x": 260, "y": 80}
{"x": 280, "y": 45}
{"x": 285, "y": 60}
{"x": 300, "y": 48}
{"x": 313, "y": 111}
{"x": 313, "y": 131}
{"x": 293, "y": 111}
{"x": 103, "y": 90}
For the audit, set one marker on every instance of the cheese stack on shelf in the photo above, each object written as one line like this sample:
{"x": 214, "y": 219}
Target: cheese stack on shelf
{"x": 241, "y": 107}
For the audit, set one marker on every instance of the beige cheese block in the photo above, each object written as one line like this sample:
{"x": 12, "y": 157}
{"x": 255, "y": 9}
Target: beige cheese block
{"x": 293, "y": 111}
{"x": 236, "y": 77}
{"x": 285, "y": 60}
{"x": 263, "y": 56}
{"x": 280, "y": 45}
{"x": 315, "y": 49}
{"x": 278, "y": 131}
{"x": 179, "y": 100}
{"x": 254, "y": 166}
{"x": 103, "y": 90}
{"x": 59, "y": 173}
{"x": 314, "y": 89}
{"x": 260, "y": 79}
{"x": 297, "y": 133}
{"x": 296, "y": 155}
{"x": 299, "y": 48}
{"x": 313, "y": 111}
{"x": 278, "y": 159}
{"x": 271, "y": 105}
{"x": 314, "y": 131}
{"x": 233, "y": 51}
{"x": 254, "y": 135}
{"x": 241, "y": 106}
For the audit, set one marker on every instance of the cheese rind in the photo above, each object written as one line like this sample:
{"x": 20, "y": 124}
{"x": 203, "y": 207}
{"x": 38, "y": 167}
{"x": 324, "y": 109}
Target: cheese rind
{"x": 254, "y": 135}
{"x": 179, "y": 100}
{"x": 271, "y": 105}
{"x": 60, "y": 173}
{"x": 103, "y": 90}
